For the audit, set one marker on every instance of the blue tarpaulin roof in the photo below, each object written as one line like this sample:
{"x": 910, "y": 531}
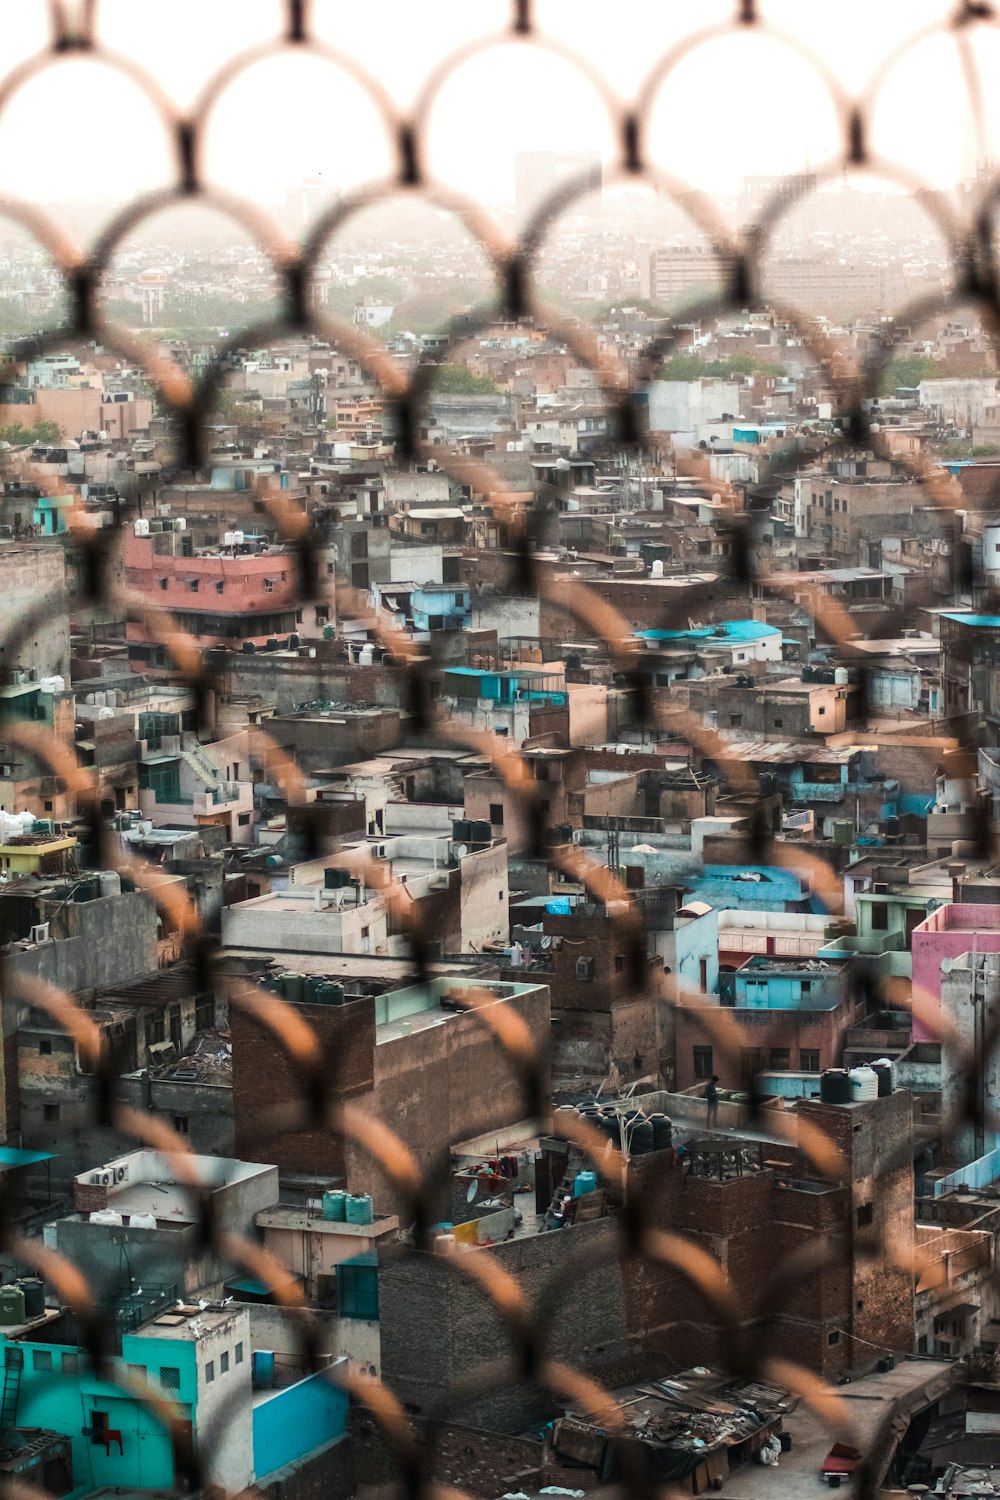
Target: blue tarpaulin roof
{"x": 11, "y": 1157}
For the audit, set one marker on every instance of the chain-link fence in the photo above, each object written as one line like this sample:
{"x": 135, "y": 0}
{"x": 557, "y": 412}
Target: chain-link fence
{"x": 746, "y": 1311}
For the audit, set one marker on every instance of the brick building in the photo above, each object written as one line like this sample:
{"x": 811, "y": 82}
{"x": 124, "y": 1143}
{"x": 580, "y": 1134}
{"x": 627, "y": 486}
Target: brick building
{"x": 226, "y": 596}
{"x": 616, "y": 1317}
{"x": 414, "y": 1058}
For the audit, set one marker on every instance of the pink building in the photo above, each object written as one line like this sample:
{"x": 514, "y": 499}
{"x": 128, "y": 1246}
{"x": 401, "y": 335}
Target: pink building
{"x": 947, "y": 932}
{"x": 223, "y": 596}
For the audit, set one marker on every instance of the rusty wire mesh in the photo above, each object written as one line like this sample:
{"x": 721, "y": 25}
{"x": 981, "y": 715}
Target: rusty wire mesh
{"x": 749, "y": 1348}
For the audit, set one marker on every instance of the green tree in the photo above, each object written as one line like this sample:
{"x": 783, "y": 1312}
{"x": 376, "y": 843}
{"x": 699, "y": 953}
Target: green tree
{"x": 458, "y": 381}
{"x": 907, "y": 370}
{"x": 45, "y": 434}
{"x": 688, "y": 365}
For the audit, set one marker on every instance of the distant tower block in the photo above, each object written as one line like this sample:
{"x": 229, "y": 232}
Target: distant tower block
{"x": 152, "y": 287}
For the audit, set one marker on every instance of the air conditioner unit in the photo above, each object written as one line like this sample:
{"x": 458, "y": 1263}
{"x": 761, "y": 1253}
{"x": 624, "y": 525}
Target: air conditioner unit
{"x": 40, "y": 933}
{"x": 121, "y": 1174}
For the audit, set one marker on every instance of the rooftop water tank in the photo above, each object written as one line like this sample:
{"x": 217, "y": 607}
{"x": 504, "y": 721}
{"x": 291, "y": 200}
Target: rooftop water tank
{"x": 835, "y": 1087}
{"x": 34, "y": 1296}
{"x": 883, "y": 1070}
{"x": 335, "y": 1205}
{"x": 840, "y": 676}
{"x": 360, "y": 1209}
{"x": 142, "y": 1221}
{"x": 11, "y": 1305}
{"x": 663, "y": 1131}
{"x": 656, "y": 569}
{"x": 864, "y": 1084}
{"x": 584, "y": 1182}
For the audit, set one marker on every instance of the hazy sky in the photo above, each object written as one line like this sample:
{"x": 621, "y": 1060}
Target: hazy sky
{"x": 736, "y": 107}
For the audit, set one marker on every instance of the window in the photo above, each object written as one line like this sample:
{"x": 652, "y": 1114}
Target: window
{"x": 239, "y": 1354}
{"x": 170, "y": 1377}
{"x": 224, "y": 1362}
{"x": 778, "y": 723}
{"x": 780, "y": 1060}
{"x": 45, "y": 1046}
{"x": 243, "y": 819}
{"x": 193, "y": 584}
{"x": 209, "y": 1372}
{"x": 98, "y": 1428}
{"x": 880, "y": 916}
{"x": 496, "y": 814}
{"x": 735, "y": 720}
{"x": 619, "y": 963}
{"x": 204, "y": 1012}
{"x": 702, "y": 1062}
{"x": 822, "y": 710}
{"x": 834, "y": 1337}
{"x": 42, "y": 1359}
{"x": 809, "y": 1060}
{"x": 181, "y": 1123}
{"x": 751, "y": 1062}
{"x": 864, "y": 1215}
{"x": 138, "y": 1372}
{"x": 47, "y": 806}
{"x": 50, "y": 1112}
{"x": 70, "y": 1363}
{"x": 220, "y": 587}
{"x": 357, "y": 1291}
{"x": 703, "y": 975}
{"x": 268, "y": 585}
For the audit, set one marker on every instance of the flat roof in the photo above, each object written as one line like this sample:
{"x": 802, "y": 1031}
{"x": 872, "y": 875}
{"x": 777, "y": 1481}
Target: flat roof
{"x": 784, "y": 752}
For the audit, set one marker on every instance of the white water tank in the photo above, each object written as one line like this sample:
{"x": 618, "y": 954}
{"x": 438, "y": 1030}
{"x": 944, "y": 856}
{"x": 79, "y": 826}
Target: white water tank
{"x": 840, "y": 676}
{"x": 142, "y": 1221}
{"x": 864, "y": 1084}
{"x": 106, "y": 1216}
{"x": 229, "y": 539}
{"x": 366, "y": 656}
{"x": 141, "y": 527}
{"x": 656, "y": 569}
{"x": 110, "y": 883}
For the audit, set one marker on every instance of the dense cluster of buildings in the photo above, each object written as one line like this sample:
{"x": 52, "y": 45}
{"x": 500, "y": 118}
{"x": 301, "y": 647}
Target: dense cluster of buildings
{"x": 287, "y": 720}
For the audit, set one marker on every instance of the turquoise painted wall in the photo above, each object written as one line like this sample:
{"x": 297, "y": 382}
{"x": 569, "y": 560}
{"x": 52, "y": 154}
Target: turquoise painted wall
{"x": 58, "y": 1392}
{"x": 296, "y": 1420}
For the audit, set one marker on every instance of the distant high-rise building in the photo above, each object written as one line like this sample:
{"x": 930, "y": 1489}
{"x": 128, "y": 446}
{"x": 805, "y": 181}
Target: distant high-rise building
{"x": 306, "y": 201}
{"x": 684, "y": 272}
{"x": 756, "y": 192}
{"x": 538, "y": 174}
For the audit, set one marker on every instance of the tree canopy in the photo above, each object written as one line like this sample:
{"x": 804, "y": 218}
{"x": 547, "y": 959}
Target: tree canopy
{"x": 41, "y": 434}
{"x": 688, "y": 365}
{"x": 458, "y": 381}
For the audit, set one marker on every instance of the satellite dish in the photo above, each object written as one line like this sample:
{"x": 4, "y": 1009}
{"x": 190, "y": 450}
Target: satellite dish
{"x": 471, "y": 1191}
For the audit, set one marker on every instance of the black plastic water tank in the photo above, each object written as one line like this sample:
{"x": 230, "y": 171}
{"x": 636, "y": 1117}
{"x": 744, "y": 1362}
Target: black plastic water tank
{"x": 883, "y": 1072}
{"x": 663, "y": 1131}
{"x": 641, "y": 1138}
{"x": 835, "y": 1087}
{"x": 34, "y": 1296}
